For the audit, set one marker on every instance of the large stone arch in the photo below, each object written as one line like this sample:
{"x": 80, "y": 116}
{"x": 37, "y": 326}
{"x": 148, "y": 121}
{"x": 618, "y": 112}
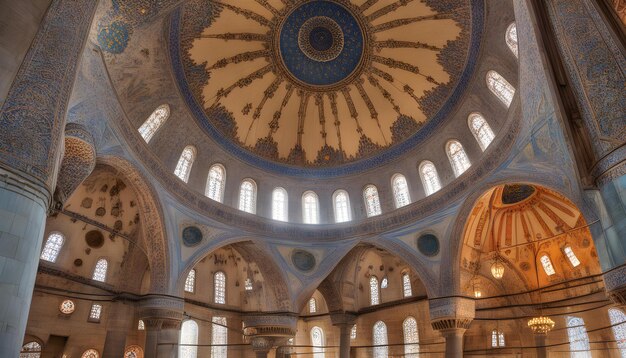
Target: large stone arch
{"x": 152, "y": 228}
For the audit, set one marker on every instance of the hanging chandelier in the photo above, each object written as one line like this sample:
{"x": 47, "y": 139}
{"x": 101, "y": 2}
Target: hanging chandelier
{"x": 497, "y": 269}
{"x": 541, "y": 324}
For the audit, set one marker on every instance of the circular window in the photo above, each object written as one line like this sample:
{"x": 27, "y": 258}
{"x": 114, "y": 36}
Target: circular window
{"x": 303, "y": 260}
{"x": 67, "y": 307}
{"x": 90, "y": 353}
{"x": 428, "y": 244}
{"x": 192, "y": 236}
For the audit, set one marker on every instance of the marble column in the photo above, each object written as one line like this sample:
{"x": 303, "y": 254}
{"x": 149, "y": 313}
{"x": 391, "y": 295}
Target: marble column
{"x": 32, "y": 120}
{"x": 153, "y": 327}
{"x": 540, "y": 344}
{"x": 119, "y": 322}
{"x": 169, "y": 336}
{"x": 345, "y": 322}
{"x": 452, "y": 316}
{"x": 162, "y": 317}
{"x": 261, "y": 346}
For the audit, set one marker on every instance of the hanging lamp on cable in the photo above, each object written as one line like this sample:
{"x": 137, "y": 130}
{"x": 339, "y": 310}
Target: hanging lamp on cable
{"x": 497, "y": 268}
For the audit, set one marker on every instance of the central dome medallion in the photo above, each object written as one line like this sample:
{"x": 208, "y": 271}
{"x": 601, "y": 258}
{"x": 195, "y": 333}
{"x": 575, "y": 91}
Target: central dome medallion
{"x": 320, "y": 44}
{"x": 321, "y": 87}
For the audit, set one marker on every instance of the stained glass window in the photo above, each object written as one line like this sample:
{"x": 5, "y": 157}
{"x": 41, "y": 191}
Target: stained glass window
{"x": 183, "y": 168}
{"x": 547, "y": 265}
{"x": 67, "y": 307}
{"x": 372, "y": 201}
{"x": 90, "y": 353}
{"x": 312, "y": 305}
{"x": 400, "y": 190}
{"x": 247, "y": 196}
{"x": 430, "y": 178}
{"x": 279, "y": 204}
{"x": 497, "y": 339}
{"x": 406, "y": 285}
{"x": 578, "y": 339}
{"x": 133, "y": 352}
{"x": 458, "y": 159}
{"x": 248, "y": 284}
{"x": 188, "y": 340}
{"x": 219, "y": 336}
{"x": 618, "y": 321}
{"x": 481, "y": 130}
{"x": 216, "y": 182}
{"x": 52, "y": 247}
{"x": 353, "y": 332}
{"x": 100, "y": 271}
{"x": 152, "y": 124}
{"x": 95, "y": 312}
{"x": 141, "y": 326}
{"x": 31, "y": 350}
{"x": 500, "y": 87}
{"x": 384, "y": 282}
{"x": 190, "y": 282}
{"x": 310, "y": 208}
{"x": 511, "y": 39}
{"x": 374, "y": 292}
{"x": 220, "y": 287}
{"x": 317, "y": 341}
{"x": 380, "y": 340}
{"x": 571, "y": 256}
{"x": 411, "y": 337}
{"x": 341, "y": 203}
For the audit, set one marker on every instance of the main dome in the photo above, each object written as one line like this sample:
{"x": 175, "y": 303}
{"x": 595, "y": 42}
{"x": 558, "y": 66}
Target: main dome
{"x": 322, "y": 84}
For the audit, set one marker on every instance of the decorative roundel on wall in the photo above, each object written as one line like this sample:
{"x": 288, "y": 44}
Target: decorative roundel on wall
{"x": 67, "y": 307}
{"x": 428, "y": 244}
{"x": 192, "y": 236}
{"x": 94, "y": 239}
{"x": 303, "y": 260}
{"x": 78, "y": 262}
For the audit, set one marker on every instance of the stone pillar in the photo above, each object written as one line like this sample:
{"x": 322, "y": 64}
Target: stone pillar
{"x": 344, "y": 321}
{"x": 540, "y": 344}
{"x": 162, "y": 317}
{"x": 119, "y": 322}
{"x": 268, "y": 331}
{"x": 261, "y": 346}
{"x": 32, "y": 120}
{"x": 452, "y": 316}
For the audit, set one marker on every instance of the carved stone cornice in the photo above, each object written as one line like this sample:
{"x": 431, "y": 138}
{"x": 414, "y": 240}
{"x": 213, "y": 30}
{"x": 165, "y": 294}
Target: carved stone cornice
{"x": 342, "y": 318}
{"x": 451, "y": 313}
{"x": 161, "y": 312}
{"x": 615, "y": 285}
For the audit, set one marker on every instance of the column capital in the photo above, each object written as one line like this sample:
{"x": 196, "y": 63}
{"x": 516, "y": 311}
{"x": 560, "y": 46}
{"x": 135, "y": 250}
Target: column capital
{"x": 615, "y": 285}
{"x": 161, "y": 312}
{"x": 262, "y": 344}
{"x": 270, "y": 325}
{"x": 451, "y": 313}
{"x": 343, "y": 318}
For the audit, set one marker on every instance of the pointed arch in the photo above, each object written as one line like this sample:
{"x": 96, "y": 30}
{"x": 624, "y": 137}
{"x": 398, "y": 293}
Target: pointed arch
{"x": 31, "y": 350}
{"x": 457, "y": 156}
{"x": 510, "y": 37}
{"x": 381, "y": 348}
{"x": 52, "y": 247}
{"x": 188, "y": 340}
{"x": 318, "y": 342}
{"x": 190, "y": 282}
{"x": 310, "y": 208}
{"x": 411, "y": 337}
{"x": 100, "y": 270}
{"x": 372, "y": 201}
{"x": 500, "y": 87}
{"x": 312, "y": 305}
{"x": 407, "y": 290}
{"x": 374, "y": 291}
{"x": 185, "y": 162}
{"x": 480, "y": 129}
{"x": 341, "y": 206}
{"x": 280, "y": 205}
{"x": 400, "y": 190}
{"x": 247, "y": 196}
{"x": 154, "y": 122}
{"x": 430, "y": 177}
{"x": 578, "y": 337}
{"x": 216, "y": 181}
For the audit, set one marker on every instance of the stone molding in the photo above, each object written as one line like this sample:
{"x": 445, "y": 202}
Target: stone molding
{"x": 162, "y": 312}
{"x": 451, "y": 312}
{"x": 615, "y": 284}
{"x": 340, "y": 319}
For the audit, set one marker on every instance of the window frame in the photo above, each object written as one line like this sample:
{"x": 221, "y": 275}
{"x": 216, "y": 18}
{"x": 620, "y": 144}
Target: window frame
{"x": 106, "y": 270}
{"x": 285, "y": 211}
{"x": 425, "y": 183}
{"x": 394, "y": 190}
{"x": 187, "y": 169}
{"x": 477, "y": 131}
{"x": 348, "y": 207}
{"x": 458, "y": 171}
{"x": 56, "y": 249}
{"x": 222, "y": 188}
{"x": 253, "y": 199}
{"x": 215, "y": 288}
{"x": 310, "y": 193}
{"x": 368, "y": 212}
{"x": 148, "y": 129}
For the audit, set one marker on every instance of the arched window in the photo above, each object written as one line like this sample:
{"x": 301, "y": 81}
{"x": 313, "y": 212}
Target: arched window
{"x": 497, "y": 339}
{"x": 188, "y": 340}
{"x": 372, "y": 201}
{"x": 100, "y": 271}
{"x": 317, "y": 341}
{"x": 133, "y": 352}
{"x": 384, "y": 282}
{"x": 430, "y": 178}
{"x": 380, "y": 340}
{"x": 215, "y": 183}
{"x": 618, "y": 321}
{"x": 141, "y": 326}
{"x": 578, "y": 338}
{"x": 220, "y": 287}
{"x": 190, "y": 282}
{"x": 312, "y": 305}
{"x": 406, "y": 285}
{"x": 52, "y": 247}
{"x": 310, "y": 208}
{"x": 458, "y": 159}
{"x": 353, "y": 332}
{"x": 500, "y": 87}
{"x": 247, "y": 196}
{"x": 374, "y": 291}
{"x": 152, "y": 124}
{"x": 183, "y": 168}
{"x": 341, "y": 204}
{"x": 411, "y": 337}
{"x": 510, "y": 38}
{"x": 279, "y": 204}
{"x": 400, "y": 190}
{"x": 219, "y": 338}
{"x": 481, "y": 130}
{"x": 31, "y": 350}
{"x": 90, "y": 353}
{"x": 547, "y": 265}
{"x": 571, "y": 256}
